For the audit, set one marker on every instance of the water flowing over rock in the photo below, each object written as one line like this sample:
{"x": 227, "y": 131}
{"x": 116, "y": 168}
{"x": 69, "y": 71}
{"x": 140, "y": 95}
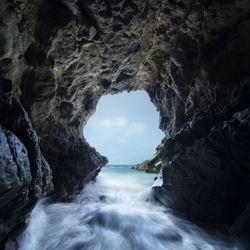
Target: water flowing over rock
{"x": 102, "y": 217}
{"x": 57, "y": 58}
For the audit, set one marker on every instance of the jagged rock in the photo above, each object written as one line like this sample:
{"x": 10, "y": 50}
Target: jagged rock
{"x": 61, "y": 56}
{"x": 25, "y": 175}
{"x": 73, "y": 52}
{"x": 154, "y": 164}
{"x": 205, "y": 174}
{"x": 15, "y": 178}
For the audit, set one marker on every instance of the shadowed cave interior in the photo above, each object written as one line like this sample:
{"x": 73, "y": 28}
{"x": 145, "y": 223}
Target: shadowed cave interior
{"x": 57, "y": 58}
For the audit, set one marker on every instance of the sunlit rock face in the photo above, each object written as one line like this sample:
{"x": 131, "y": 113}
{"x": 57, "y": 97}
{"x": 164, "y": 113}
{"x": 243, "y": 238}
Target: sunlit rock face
{"x": 60, "y": 57}
{"x": 154, "y": 164}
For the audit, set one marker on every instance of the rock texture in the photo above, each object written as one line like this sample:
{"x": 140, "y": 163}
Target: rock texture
{"x": 190, "y": 56}
{"x": 25, "y": 175}
{"x": 15, "y": 179}
{"x": 154, "y": 164}
{"x": 206, "y": 166}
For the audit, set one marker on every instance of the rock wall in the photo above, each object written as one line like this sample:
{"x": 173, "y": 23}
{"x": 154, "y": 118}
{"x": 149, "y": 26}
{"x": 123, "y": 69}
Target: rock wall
{"x": 59, "y": 57}
{"x": 206, "y": 167}
{"x": 25, "y": 175}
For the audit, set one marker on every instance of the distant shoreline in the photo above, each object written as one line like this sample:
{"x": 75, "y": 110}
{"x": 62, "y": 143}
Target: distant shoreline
{"x": 120, "y": 165}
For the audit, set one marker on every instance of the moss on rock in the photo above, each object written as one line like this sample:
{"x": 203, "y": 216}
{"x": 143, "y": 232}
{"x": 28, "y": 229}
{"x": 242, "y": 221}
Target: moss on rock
{"x": 154, "y": 164}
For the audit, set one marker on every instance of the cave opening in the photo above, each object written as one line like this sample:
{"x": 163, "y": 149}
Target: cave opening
{"x": 125, "y": 128}
{"x": 57, "y": 58}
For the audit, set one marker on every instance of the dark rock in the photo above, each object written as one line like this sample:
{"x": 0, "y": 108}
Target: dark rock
{"x": 24, "y": 173}
{"x": 73, "y": 165}
{"x": 106, "y": 83}
{"x": 102, "y": 198}
{"x": 57, "y": 58}
{"x": 15, "y": 179}
{"x": 66, "y": 110}
{"x": 206, "y": 177}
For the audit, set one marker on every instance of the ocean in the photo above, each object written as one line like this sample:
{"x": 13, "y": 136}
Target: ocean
{"x": 115, "y": 212}
{"x": 125, "y": 178}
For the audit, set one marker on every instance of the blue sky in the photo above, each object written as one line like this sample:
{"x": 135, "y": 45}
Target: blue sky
{"x": 124, "y": 128}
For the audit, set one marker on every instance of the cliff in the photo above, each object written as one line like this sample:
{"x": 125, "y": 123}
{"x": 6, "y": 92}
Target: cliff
{"x": 154, "y": 164}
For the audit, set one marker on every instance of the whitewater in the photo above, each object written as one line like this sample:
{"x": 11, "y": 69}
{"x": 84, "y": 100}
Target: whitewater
{"x": 115, "y": 212}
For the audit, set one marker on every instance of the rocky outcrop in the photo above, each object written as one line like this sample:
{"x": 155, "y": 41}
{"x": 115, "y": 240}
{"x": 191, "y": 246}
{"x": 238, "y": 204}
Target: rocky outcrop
{"x": 154, "y": 164}
{"x": 25, "y": 175}
{"x": 61, "y": 56}
{"x": 15, "y": 179}
{"x": 206, "y": 167}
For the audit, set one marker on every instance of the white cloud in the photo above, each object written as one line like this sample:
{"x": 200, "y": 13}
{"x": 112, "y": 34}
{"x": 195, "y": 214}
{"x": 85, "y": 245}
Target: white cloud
{"x": 119, "y": 122}
{"x": 136, "y": 128}
{"x": 122, "y": 139}
{"x": 128, "y": 128}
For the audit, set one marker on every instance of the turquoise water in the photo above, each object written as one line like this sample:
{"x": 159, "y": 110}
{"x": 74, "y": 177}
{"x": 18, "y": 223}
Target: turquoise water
{"x": 114, "y": 212}
{"x": 125, "y": 178}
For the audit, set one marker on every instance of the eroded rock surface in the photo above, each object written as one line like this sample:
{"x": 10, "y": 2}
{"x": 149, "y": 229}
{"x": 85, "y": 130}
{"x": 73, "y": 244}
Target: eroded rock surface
{"x": 25, "y": 175}
{"x": 15, "y": 178}
{"x": 206, "y": 167}
{"x": 61, "y": 56}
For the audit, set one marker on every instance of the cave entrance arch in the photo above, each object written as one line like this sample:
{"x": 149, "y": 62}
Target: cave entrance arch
{"x": 124, "y": 128}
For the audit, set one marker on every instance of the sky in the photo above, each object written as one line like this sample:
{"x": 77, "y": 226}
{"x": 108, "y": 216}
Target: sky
{"x": 125, "y": 128}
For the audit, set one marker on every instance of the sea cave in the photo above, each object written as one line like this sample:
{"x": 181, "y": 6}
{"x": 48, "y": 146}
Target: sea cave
{"x": 59, "y": 57}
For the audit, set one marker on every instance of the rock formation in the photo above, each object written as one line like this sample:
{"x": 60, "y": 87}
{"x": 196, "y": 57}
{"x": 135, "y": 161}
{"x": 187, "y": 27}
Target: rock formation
{"x": 206, "y": 167}
{"x": 25, "y": 175}
{"x": 58, "y": 57}
{"x": 154, "y": 164}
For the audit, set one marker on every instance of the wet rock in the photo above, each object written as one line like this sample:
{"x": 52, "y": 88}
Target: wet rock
{"x": 205, "y": 175}
{"x": 25, "y": 175}
{"x": 191, "y": 57}
{"x": 15, "y": 179}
